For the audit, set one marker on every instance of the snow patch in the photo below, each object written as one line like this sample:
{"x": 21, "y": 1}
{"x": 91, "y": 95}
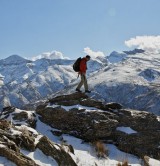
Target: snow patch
{"x": 126, "y": 130}
{"x": 79, "y": 107}
{"x": 15, "y": 132}
{"x": 85, "y": 154}
{"x": 40, "y": 158}
{"x": 1, "y": 80}
{"x": 153, "y": 162}
{"x": 5, "y": 162}
{"x": 57, "y": 147}
{"x": 2, "y": 146}
{"x": 27, "y": 128}
{"x": 37, "y": 139}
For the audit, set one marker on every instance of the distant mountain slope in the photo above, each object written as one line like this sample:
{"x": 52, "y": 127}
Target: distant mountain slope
{"x": 13, "y": 59}
{"x": 23, "y": 81}
{"x": 116, "y": 57}
{"x": 134, "y": 82}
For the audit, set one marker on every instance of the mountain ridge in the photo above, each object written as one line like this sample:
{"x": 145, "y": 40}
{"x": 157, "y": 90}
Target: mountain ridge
{"x": 134, "y": 78}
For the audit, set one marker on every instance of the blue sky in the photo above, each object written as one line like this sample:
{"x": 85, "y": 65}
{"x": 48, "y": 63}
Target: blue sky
{"x": 31, "y": 27}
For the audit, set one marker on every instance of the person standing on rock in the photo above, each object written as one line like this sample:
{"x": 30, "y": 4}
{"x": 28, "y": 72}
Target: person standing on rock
{"x": 82, "y": 72}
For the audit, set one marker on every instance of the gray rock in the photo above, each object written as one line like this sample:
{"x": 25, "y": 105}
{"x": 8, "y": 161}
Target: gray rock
{"x": 55, "y": 151}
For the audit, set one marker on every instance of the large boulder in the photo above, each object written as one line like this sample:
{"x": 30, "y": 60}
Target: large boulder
{"x": 27, "y": 117}
{"x": 146, "y": 139}
{"x": 86, "y": 125}
{"x": 56, "y": 151}
{"x": 11, "y": 140}
{"x": 70, "y": 97}
{"x": 18, "y": 158}
{"x": 23, "y": 138}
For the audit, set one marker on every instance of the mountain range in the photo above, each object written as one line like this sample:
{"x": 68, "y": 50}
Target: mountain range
{"x": 24, "y": 81}
{"x": 130, "y": 78}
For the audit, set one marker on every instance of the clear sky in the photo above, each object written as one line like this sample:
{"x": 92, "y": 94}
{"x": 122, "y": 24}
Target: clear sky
{"x": 31, "y": 27}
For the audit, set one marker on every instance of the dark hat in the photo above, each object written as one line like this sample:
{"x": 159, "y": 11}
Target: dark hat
{"x": 87, "y": 56}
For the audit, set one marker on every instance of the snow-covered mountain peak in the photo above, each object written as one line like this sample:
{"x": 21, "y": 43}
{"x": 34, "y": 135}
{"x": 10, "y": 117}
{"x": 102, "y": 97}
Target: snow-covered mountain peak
{"x": 116, "y": 57}
{"x": 25, "y": 81}
{"x": 13, "y": 59}
{"x": 1, "y": 79}
{"x": 135, "y": 51}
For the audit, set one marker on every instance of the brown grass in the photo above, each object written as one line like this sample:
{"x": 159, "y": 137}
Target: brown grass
{"x": 100, "y": 149}
{"x": 119, "y": 164}
{"x": 125, "y": 163}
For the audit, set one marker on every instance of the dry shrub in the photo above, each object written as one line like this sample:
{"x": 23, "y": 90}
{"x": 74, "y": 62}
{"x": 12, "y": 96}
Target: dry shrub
{"x": 100, "y": 149}
{"x": 119, "y": 164}
{"x": 125, "y": 163}
{"x": 24, "y": 130}
{"x": 146, "y": 160}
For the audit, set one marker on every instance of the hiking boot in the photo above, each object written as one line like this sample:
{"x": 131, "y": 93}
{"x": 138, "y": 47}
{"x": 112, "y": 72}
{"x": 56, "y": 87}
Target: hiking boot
{"x": 78, "y": 90}
{"x": 87, "y": 91}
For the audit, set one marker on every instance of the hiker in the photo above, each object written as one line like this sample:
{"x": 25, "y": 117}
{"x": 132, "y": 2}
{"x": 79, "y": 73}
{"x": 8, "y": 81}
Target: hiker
{"x": 82, "y": 72}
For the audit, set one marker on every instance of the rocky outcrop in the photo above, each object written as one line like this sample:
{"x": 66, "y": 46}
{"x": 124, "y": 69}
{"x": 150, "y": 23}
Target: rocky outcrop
{"x": 24, "y": 138}
{"x": 56, "y": 151}
{"x": 86, "y": 125}
{"x": 13, "y": 138}
{"x": 82, "y": 99}
{"x": 23, "y": 116}
{"x": 83, "y": 117}
{"x": 18, "y": 158}
{"x": 146, "y": 140}
{"x": 101, "y": 122}
{"x": 10, "y": 145}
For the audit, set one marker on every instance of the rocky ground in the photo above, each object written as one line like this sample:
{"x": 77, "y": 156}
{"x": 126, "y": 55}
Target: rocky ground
{"x": 132, "y": 131}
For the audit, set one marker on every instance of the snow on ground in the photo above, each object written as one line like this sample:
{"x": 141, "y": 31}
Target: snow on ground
{"x": 153, "y": 162}
{"x": 46, "y": 130}
{"x": 86, "y": 155}
{"x": 137, "y": 113}
{"x": 5, "y": 162}
{"x": 79, "y": 107}
{"x": 126, "y": 130}
{"x": 2, "y": 146}
{"x": 1, "y": 79}
{"x": 40, "y": 158}
{"x": 15, "y": 132}
{"x": 22, "y": 127}
{"x": 1, "y": 83}
{"x": 36, "y": 134}
{"x": 84, "y": 152}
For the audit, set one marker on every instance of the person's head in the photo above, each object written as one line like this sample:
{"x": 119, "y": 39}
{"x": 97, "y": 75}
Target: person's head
{"x": 88, "y": 57}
